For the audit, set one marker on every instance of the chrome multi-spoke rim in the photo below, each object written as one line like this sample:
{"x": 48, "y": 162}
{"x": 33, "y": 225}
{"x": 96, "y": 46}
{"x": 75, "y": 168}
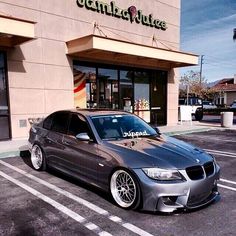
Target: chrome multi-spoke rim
{"x": 36, "y": 157}
{"x": 123, "y": 188}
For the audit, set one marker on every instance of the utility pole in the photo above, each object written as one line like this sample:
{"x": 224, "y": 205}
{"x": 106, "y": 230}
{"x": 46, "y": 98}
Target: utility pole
{"x": 234, "y": 35}
{"x": 201, "y": 63}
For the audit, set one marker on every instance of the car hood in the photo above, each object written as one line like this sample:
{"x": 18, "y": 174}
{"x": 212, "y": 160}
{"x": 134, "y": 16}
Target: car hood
{"x": 160, "y": 151}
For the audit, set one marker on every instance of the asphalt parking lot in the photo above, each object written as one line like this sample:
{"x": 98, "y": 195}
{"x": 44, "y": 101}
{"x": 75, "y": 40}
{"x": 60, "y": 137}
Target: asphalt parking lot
{"x": 47, "y": 203}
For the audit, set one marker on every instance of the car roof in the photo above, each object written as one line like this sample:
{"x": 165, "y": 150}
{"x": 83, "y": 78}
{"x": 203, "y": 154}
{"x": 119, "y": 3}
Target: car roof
{"x": 97, "y": 112}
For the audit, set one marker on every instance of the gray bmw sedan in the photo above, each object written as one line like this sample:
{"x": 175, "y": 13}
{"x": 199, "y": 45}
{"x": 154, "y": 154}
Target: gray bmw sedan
{"x": 120, "y": 153}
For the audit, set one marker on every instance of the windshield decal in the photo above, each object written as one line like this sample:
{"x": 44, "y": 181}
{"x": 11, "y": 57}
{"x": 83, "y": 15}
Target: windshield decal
{"x": 135, "y": 134}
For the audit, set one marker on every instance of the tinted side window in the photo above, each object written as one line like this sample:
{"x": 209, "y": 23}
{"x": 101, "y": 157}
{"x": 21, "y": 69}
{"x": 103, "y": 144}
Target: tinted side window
{"x": 78, "y": 125}
{"x": 60, "y": 122}
{"x": 47, "y": 124}
{"x": 181, "y": 101}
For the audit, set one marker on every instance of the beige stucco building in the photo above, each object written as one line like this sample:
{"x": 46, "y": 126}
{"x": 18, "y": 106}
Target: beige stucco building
{"x": 87, "y": 53}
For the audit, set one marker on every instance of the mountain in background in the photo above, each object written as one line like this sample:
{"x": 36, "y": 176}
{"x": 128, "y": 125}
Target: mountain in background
{"x": 211, "y": 84}
{"x": 207, "y": 85}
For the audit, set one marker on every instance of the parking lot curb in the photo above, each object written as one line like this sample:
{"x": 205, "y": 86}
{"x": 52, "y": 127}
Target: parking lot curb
{"x": 175, "y": 133}
{"x": 9, "y": 154}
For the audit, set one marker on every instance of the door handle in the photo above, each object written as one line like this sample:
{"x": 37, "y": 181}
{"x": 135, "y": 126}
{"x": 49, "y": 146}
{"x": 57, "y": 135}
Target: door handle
{"x": 65, "y": 142}
{"x": 49, "y": 140}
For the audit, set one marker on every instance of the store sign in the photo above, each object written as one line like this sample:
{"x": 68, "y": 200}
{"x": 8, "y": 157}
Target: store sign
{"x": 131, "y": 14}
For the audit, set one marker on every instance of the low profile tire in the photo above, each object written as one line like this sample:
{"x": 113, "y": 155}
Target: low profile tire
{"x": 125, "y": 189}
{"x": 198, "y": 115}
{"x": 38, "y": 158}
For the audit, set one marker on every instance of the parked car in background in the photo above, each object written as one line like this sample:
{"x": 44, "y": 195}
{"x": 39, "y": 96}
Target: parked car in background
{"x": 120, "y": 153}
{"x": 196, "y": 105}
{"x": 208, "y": 105}
{"x": 233, "y": 105}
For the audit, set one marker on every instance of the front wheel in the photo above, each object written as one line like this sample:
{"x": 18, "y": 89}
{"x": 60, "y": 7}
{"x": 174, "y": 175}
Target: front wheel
{"x": 125, "y": 189}
{"x": 37, "y": 158}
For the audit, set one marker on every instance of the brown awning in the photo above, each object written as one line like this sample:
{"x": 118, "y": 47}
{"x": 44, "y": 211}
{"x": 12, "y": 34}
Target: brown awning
{"x": 14, "y": 31}
{"x": 107, "y": 50}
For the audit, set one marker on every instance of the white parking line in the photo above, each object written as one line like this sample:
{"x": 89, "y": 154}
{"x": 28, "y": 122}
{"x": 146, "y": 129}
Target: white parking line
{"x": 58, "y": 206}
{"x": 57, "y": 189}
{"x": 86, "y": 203}
{"x": 229, "y": 153}
{"x": 221, "y": 153}
{"x": 227, "y": 187}
{"x": 228, "y": 181}
{"x": 135, "y": 229}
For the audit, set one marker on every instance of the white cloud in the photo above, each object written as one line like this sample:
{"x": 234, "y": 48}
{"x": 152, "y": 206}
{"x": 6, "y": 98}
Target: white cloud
{"x": 214, "y": 39}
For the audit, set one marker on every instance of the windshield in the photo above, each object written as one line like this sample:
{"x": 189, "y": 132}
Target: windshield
{"x": 193, "y": 101}
{"x": 121, "y": 127}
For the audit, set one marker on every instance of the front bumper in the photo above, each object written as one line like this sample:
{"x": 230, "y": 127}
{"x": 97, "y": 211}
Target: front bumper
{"x": 170, "y": 196}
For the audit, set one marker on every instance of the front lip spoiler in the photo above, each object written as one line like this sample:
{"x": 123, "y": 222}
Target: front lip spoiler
{"x": 214, "y": 197}
{"x": 178, "y": 207}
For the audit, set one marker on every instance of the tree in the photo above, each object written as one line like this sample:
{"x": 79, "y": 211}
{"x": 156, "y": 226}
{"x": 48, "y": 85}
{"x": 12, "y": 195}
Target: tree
{"x": 234, "y": 35}
{"x": 196, "y": 87}
{"x": 191, "y": 82}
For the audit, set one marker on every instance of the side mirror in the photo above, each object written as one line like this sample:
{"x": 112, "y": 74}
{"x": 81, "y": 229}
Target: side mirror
{"x": 83, "y": 137}
{"x": 157, "y": 130}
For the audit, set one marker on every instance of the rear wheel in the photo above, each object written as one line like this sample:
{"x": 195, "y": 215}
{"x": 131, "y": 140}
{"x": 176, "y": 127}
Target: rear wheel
{"x": 199, "y": 114}
{"x": 38, "y": 158}
{"x": 125, "y": 189}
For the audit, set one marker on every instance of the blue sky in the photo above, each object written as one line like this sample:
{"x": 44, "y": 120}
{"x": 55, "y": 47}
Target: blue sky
{"x": 207, "y": 29}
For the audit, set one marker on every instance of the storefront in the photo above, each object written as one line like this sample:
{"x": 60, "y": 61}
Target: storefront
{"x": 131, "y": 89}
{"x": 89, "y": 54}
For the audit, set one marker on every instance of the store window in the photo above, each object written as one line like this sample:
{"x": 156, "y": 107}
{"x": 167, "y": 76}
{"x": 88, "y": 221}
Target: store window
{"x": 4, "y": 108}
{"x": 85, "y": 87}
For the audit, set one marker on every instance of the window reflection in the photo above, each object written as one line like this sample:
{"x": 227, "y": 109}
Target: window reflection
{"x": 108, "y": 88}
{"x": 85, "y": 87}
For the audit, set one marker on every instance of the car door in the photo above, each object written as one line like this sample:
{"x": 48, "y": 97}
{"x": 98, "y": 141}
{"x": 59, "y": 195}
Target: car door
{"x": 80, "y": 157}
{"x": 53, "y": 145}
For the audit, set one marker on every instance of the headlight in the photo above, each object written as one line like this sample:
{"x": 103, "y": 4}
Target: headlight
{"x": 162, "y": 174}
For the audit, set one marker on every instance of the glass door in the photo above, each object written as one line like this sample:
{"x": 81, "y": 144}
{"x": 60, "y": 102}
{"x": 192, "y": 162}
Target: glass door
{"x": 158, "y": 98}
{"x": 108, "y": 88}
{"x": 4, "y": 108}
{"x": 126, "y": 90}
{"x": 142, "y": 95}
